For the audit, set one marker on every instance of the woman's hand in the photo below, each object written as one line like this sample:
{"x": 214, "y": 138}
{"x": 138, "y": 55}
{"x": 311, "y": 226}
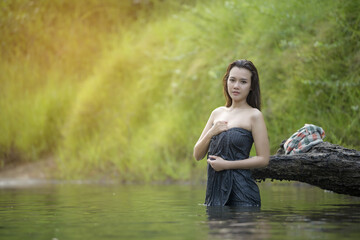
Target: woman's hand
{"x": 211, "y": 129}
{"x": 219, "y": 127}
{"x": 217, "y": 163}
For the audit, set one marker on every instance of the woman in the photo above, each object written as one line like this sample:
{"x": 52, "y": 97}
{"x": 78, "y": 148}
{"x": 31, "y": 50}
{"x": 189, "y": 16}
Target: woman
{"x": 228, "y": 137}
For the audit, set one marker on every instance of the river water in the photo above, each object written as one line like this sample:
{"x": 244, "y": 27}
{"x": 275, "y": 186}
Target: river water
{"x": 86, "y": 210}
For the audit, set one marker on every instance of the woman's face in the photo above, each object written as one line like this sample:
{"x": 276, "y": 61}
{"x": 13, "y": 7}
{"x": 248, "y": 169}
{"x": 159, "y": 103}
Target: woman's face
{"x": 239, "y": 83}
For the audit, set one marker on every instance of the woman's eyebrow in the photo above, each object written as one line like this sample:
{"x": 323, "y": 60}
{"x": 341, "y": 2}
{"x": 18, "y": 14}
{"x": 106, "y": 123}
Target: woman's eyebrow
{"x": 241, "y": 78}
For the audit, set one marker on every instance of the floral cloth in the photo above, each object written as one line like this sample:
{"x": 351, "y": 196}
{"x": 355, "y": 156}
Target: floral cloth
{"x": 305, "y": 138}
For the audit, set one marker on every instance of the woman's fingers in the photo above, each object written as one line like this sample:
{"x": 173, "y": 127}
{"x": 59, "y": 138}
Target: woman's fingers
{"x": 216, "y": 165}
{"x": 210, "y": 162}
{"x": 219, "y": 127}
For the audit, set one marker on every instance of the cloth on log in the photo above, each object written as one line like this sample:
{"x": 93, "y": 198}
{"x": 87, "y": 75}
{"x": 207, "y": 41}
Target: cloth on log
{"x": 304, "y": 139}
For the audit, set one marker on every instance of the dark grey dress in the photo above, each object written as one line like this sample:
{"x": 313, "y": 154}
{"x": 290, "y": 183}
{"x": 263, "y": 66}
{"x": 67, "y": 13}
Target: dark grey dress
{"x": 235, "y": 186}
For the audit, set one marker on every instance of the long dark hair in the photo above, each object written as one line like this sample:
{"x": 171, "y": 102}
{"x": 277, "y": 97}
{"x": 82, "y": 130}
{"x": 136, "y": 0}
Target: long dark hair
{"x": 253, "y": 99}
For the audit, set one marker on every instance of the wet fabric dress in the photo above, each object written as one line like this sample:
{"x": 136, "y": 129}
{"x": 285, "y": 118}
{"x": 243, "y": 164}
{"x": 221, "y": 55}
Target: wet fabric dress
{"x": 235, "y": 186}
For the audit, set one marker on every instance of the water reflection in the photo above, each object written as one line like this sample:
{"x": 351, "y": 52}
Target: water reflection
{"x": 110, "y": 211}
{"x": 331, "y": 221}
{"x": 235, "y": 222}
{"x": 338, "y": 213}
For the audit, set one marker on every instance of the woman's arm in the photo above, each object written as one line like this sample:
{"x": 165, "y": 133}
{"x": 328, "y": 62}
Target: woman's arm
{"x": 202, "y": 145}
{"x": 261, "y": 142}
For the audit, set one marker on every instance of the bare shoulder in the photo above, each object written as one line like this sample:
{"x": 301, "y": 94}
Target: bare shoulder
{"x": 256, "y": 114}
{"x": 218, "y": 110}
{"x": 257, "y": 119}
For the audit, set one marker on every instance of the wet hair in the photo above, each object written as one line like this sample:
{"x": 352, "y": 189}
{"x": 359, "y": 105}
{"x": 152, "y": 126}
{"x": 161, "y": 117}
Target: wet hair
{"x": 253, "y": 99}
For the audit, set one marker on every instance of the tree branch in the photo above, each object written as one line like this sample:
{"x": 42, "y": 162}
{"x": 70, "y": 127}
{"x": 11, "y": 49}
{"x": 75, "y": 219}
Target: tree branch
{"x": 326, "y": 165}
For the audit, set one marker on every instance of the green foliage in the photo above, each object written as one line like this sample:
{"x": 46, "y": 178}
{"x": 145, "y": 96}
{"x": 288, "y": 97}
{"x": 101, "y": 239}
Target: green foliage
{"x": 118, "y": 89}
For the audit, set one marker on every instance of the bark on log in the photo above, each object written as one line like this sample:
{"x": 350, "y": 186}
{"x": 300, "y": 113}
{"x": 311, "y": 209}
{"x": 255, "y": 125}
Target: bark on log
{"x": 326, "y": 165}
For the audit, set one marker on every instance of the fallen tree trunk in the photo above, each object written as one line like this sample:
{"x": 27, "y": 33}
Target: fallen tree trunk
{"x": 326, "y": 165}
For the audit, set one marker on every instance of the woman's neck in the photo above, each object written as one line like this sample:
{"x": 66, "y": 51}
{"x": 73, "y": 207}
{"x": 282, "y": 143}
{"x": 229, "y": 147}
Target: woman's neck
{"x": 239, "y": 105}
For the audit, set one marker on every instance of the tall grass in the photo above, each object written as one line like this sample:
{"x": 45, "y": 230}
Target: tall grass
{"x": 123, "y": 90}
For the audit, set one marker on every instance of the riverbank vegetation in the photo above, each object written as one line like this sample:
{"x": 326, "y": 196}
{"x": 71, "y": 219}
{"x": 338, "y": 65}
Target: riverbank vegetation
{"x": 123, "y": 89}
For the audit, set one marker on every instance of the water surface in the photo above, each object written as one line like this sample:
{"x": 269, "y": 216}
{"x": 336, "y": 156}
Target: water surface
{"x": 89, "y": 211}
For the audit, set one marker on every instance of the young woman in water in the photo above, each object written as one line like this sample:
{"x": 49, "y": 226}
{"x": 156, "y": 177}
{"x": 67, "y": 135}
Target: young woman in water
{"x": 228, "y": 137}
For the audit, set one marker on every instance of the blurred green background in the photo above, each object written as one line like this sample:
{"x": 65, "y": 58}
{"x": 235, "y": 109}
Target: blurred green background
{"x": 123, "y": 89}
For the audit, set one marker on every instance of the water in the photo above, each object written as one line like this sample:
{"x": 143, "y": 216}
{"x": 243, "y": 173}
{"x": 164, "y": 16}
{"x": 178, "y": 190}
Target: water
{"x": 57, "y": 211}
